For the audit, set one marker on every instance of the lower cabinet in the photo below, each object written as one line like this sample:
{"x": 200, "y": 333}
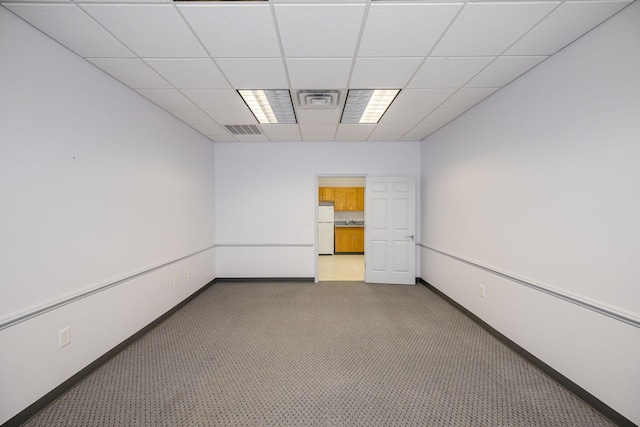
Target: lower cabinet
{"x": 349, "y": 239}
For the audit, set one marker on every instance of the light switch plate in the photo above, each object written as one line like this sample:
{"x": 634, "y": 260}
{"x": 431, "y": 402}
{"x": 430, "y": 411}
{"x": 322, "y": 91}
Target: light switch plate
{"x": 64, "y": 336}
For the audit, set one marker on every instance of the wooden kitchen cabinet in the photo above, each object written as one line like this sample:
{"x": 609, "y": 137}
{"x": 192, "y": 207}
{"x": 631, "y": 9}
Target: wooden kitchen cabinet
{"x": 348, "y": 198}
{"x": 351, "y": 196}
{"x": 349, "y": 239}
{"x": 343, "y": 198}
{"x": 340, "y": 198}
{"x": 326, "y": 194}
{"x": 359, "y": 198}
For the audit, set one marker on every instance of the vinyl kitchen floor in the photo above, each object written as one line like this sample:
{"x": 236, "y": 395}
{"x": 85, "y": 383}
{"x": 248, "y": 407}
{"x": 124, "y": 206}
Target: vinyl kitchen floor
{"x": 341, "y": 267}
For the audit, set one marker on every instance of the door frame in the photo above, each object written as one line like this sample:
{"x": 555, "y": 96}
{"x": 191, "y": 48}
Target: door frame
{"x": 316, "y": 250}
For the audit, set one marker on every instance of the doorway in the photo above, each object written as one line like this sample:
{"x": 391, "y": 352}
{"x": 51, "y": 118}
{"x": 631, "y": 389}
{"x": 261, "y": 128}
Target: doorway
{"x": 343, "y": 198}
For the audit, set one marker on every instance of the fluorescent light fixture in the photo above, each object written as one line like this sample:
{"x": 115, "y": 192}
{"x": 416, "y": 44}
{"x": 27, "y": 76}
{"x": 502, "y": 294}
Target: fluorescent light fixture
{"x": 367, "y": 105}
{"x": 270, "y": 105}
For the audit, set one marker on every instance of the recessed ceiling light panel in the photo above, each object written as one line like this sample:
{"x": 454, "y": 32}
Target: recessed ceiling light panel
{"x": 270, "y": 105}
{"x": 367, "y": 105}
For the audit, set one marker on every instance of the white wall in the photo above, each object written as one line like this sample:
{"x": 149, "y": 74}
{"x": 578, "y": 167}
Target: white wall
{"x": 266, "y": 198}
{"x": 97, "y": 184}
{"x": 341, "y": 182}
{"x": 540, "y": 182}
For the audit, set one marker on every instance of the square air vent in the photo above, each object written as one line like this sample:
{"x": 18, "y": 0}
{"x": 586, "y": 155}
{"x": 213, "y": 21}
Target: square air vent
{"x": 318, "y": 98}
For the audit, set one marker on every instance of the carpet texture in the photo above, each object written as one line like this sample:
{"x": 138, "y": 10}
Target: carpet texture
{"x": 328, "y": 354}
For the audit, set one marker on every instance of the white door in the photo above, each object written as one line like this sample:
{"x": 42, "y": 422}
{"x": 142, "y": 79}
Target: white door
{"x": 390, "y": 230}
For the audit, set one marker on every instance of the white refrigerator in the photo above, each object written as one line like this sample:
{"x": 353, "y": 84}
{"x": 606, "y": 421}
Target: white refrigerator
{"x": 325, "y": 230}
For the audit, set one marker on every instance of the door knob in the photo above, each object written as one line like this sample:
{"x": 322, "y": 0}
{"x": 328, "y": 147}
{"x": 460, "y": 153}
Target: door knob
{"x": 411, "y": 236}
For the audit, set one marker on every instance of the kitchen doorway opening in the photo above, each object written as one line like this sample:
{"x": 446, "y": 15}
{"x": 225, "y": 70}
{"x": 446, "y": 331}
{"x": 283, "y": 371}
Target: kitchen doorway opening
{"x": 340, "y": 228}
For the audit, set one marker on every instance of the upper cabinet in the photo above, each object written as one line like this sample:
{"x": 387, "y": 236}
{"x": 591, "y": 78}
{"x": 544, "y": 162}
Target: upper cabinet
{"x": 340, "y": 198}
{"x": 359, "y": 198}
{"x": 326, "y": 194}
{"x": 344, "y": 198}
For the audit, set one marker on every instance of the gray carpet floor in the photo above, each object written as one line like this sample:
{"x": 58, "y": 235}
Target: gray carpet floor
{"x": 328, "y": 354}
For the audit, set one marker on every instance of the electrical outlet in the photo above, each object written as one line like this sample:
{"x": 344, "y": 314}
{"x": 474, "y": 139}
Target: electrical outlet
{"x": 175, "y": 280}
{"x": 481, "y": 291}
{"x": 64, "y": 336}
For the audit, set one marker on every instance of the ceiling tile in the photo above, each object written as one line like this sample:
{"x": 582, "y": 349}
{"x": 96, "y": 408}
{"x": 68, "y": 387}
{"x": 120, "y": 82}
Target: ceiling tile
{"x": 216, "y": 99}
{"x": 467, "y": 97}
{"x": 421, "y": 98}
{"x": 490, "y": 28}
{"x": 254, "y": 73}
{"x": 169, "y": 99}
{"x": 70, "y": 26}
{"x": 346, "y": 137}
{"x": 285, "y": 138}
{"x": 318, "y": 116}
{"x": 150, "y": 30}
{"x": 319, "y": 73}
{"x": 404, "y": 29}
{"x": 252, "y": 138}
{"x": 383, "y": 73}
{"x": 397, "y": 129}
{"x": 324, "y": 129}
{"x": 424, "y": 129}
{"x": 132, "y": 72}
{"x": 233, "y": 117}
{"x": 412, "y": 137}
{"x": 443, "y": 115}
{"x": 504, "y": 69}
{"x": 565, "y": 24}
{"x": 216, "y": 132}
{"x": 190, "y": 73}
{"x": 354, "y": 132}
{"x": 447, "y": 72}
{"x": 383, "y": 137}
{"x": 363, "y": 129}
{"x": 193, "y": 117}
{"x": 234, "y": 31}
{"x": 281, "y": 130}
{"x": 316, "y": 31}
{"x": 397, "y": 115}
{"x": 317, "y": 137}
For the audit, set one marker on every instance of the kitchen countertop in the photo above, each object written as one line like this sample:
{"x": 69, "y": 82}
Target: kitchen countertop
{"x": 351, "y": 224}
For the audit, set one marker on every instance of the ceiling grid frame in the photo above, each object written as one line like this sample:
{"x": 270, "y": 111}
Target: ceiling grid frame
{"x": 464, "y": 85}
{"x": 283, "y": 61}
{"x": 343, "y": 101}
{"x": 423, "y": 62}
{"x": 132, "y": 68}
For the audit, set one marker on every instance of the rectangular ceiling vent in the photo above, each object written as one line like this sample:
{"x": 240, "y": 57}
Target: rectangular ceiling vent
{"x": 318, "y": 98}
{"x": 243, "y": 129}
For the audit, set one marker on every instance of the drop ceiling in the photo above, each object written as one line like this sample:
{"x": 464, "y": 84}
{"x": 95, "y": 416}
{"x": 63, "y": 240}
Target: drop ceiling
{"x": 190, "y": 58}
